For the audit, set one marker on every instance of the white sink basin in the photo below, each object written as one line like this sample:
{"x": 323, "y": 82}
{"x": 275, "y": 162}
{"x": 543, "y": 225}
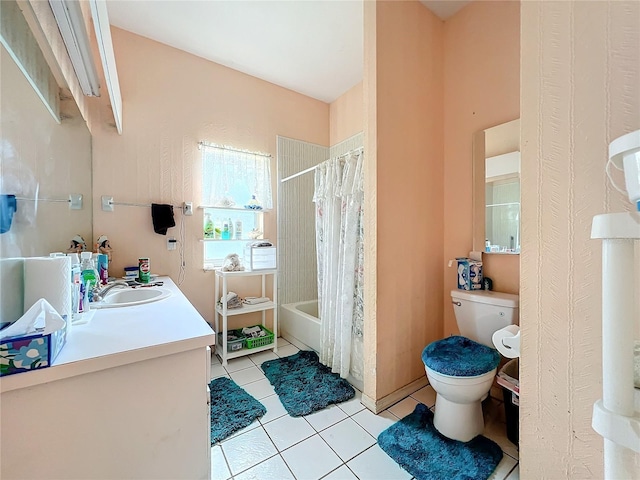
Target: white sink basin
{"x": 132, "y": 296}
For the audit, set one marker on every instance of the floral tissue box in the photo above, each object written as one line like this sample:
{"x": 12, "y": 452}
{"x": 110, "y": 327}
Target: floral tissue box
{"x": 23, "y": 354}
{"x": 33, "y": 341}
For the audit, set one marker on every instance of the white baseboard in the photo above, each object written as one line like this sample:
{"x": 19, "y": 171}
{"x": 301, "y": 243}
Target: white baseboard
{"x": 377, "y": 406}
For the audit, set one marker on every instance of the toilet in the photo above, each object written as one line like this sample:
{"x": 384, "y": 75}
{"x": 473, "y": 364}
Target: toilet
{"x": 461, "y": 368}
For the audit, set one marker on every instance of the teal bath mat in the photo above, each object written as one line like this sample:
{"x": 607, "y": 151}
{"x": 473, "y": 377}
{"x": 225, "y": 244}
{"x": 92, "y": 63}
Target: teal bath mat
{"x": 304, "y": 385}
{"x": 231, "y": 408}
{"x": 416, "y": 445}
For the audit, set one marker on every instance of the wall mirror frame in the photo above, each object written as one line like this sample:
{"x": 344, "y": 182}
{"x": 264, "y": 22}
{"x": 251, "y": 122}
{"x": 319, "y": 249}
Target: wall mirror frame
{"x": 496, "y": 189}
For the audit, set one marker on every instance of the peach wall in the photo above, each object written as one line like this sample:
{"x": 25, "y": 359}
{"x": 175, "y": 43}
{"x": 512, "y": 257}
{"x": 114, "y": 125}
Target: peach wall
{"x": 481, "y": 89}
{"x": 580, "y": 90}
{"x": 404, "y": 82}
{"x": 504, "y": 271}
{"x": 346, "y": 115}
{"x": 172, "y": 100}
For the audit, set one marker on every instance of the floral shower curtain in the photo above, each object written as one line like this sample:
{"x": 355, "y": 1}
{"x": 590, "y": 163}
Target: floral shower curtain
{"x": 339, "y": 196}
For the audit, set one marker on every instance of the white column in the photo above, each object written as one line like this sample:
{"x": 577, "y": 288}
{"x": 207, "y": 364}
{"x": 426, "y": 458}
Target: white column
{"x": 617, "y": 346}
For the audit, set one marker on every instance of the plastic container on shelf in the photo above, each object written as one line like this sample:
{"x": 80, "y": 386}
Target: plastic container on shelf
{"x": 255, "y": 342}
{"x": 259, "y": 258}
{"x": 235, "y": 340}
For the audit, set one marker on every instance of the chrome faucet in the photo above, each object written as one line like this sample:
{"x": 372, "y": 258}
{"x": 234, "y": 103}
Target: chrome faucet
{"x": 101, "y": 293}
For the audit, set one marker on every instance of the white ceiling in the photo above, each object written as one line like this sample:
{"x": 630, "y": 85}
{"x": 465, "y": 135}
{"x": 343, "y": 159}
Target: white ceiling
{"x": 312, "y": 47}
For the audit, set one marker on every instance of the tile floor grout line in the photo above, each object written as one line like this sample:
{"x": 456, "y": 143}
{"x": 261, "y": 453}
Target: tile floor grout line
{"x": 226, "y": 461}
{"x": 259, "y": 463}
{"x": 512, "y": 470}
{"x": 362, "y": 426}
{"x": 338, "y": 467}
{"x": 285, "y": 462}
{"x": 334, "y": 451}
{"x": 351, "y": 470}
{"x": 287, "y": 465}
{"x": 328, "y": 427}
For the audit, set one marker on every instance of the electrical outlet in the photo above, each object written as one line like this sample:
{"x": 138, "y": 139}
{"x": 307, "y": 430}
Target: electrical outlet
{"x": 187, "y": 208}
{"x": 171, "y": 243}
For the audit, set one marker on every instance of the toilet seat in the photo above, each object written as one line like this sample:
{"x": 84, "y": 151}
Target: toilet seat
{"x": 462, "y": 381}
{"x": 460, "y": 357}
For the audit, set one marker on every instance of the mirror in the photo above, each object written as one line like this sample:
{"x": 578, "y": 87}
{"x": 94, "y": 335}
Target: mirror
{"x": 496, "y": 189}
{"x": 43, "y": 162}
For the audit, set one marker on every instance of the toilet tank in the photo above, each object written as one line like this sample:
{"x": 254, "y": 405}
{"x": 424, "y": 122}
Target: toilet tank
{"x": 480, "y": 313}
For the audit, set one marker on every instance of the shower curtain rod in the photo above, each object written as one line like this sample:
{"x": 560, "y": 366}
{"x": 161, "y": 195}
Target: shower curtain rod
{"x": 310, "y": 169}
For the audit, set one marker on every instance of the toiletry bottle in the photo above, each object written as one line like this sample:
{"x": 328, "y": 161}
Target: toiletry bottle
{"x": 238, "y": 230}
{"x": 103, "y": 268}
{"x": 487, "y": 245}
{"x": 89, "y": 278}
{"x": 230, "y": 228}
{"x": 225, "y": 231}
{"x": 217, "y": 229}
{"x": 208, "y": 226}
{"x": 76, "y": 282}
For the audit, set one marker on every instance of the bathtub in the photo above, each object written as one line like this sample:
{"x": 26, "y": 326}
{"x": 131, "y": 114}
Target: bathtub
{"x": 300, "y": 321}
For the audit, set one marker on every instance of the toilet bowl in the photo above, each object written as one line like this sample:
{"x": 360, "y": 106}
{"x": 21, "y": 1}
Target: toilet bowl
{"x": 461, "y": 372}
{"x": 459, "y": 403}
{"x": 461, "y": 369}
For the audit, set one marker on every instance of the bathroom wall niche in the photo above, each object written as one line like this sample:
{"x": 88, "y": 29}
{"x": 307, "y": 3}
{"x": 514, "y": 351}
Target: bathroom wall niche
{"x": 42, "y": 162}
{"x": 496, "y": 189}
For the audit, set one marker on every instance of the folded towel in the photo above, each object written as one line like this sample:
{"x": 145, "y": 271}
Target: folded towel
{"x": 162, "y": 216}
{"x": 256, "y": 300}
{"x": 232, "y": 299}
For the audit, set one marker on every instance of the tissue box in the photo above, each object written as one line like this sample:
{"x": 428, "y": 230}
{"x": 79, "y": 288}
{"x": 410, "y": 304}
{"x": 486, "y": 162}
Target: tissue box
{"x": 469, "y": 274}
{"x": 259, "y": 258}
{"x": 31, "y": 352}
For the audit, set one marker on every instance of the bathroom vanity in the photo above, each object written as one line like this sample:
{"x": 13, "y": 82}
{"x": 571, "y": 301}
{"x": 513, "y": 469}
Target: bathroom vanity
{"x": 127, "y": 397}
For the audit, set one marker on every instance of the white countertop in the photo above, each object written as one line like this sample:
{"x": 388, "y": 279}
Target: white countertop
{"x": 119, "y": 336}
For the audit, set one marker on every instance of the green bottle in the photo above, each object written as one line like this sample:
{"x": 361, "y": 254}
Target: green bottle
{"x": 208, "y": 226}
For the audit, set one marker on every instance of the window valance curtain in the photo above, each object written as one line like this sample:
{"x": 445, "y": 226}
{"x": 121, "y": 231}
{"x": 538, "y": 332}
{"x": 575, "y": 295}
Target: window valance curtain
{"x": 233, "y": 178}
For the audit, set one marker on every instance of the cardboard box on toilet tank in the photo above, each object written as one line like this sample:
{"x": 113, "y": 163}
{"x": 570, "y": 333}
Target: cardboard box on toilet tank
{"x": 469, "y": 274}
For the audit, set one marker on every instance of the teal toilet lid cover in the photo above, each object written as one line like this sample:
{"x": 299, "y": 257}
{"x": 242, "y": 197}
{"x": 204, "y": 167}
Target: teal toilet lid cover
{"x": 458, "y": 356}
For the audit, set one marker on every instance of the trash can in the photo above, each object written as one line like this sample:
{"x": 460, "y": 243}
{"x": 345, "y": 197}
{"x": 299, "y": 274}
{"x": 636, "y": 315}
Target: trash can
{"x": 508, "y": 379}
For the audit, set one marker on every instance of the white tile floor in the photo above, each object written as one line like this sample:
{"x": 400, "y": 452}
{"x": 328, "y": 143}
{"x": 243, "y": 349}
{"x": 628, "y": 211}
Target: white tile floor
{"x": 337, "y": 443}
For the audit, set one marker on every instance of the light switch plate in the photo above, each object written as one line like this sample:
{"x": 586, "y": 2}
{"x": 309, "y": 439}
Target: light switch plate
{"x": 171, "y": 243}
{"x": 187, "y": 208}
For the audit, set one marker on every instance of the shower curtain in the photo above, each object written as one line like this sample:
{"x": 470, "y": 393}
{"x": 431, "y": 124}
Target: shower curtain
{"x": 339, "y": 196}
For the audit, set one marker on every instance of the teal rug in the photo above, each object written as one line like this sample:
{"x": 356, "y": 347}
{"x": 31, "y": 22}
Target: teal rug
{"x": 304, "y": 385}
{"x": 231, "y": 408}
{"x": 416, "y": 445}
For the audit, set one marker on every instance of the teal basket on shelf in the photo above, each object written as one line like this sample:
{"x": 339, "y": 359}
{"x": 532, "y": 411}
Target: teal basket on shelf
{"x": 259, "y": 341}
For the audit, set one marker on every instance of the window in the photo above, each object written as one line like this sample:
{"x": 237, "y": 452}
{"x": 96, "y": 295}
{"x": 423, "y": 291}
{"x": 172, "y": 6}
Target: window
{"x": 236, "y": 191}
